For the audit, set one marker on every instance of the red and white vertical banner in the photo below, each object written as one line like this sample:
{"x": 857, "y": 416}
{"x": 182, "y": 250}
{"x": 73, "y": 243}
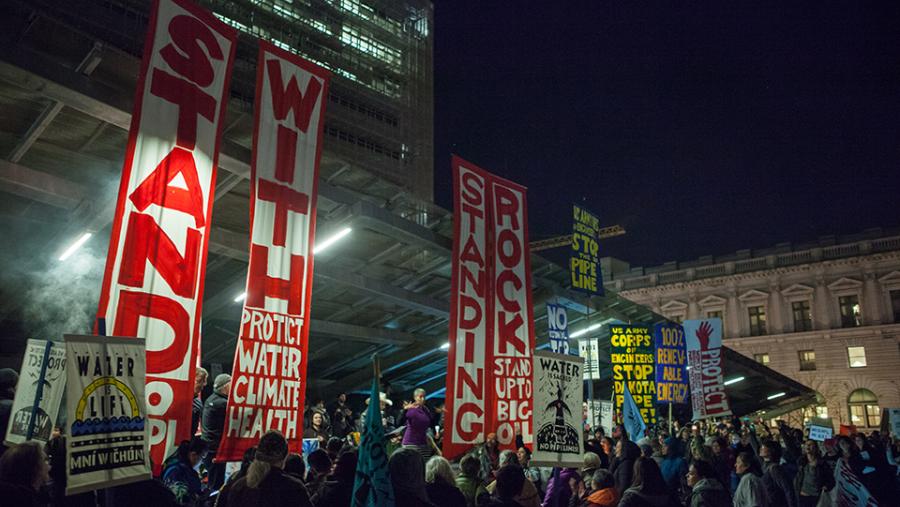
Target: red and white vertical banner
{"x": 153, "y": 284}
{"x": 268, "y": 382}
{"x": 489, "y": 367}
{"x": 706, "y": 368}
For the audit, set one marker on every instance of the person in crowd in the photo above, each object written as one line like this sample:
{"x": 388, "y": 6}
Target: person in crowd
{"x": 213, "y": 426}
{"x": 417, "y": 419}
{"x": 334, "y": 447}
{"x": 648, "y": 489}
{"x": 590, "y": 463}
{"x": 814, "y": 476}
{"x": 341, "y": 417}
{"x": 706, "y": 490}
{"x": 317, "y": 429}
{"x": 266, "y": 484}
{"x": 23, "y": 472}
{"x": 533, "y": 474}
{"x": 750, "y": 490}
{"x": 8, "y": 380}
{"x": 779, "y": 487}
{"x": 201, "y": 376}
{"x": 510, "y": 480}
{"x": 593, "y": 445}
{"x": 623, "y": 467}
{"x": 608, "y": 447}
{"x": 673, "y": 465}
{"x": 295, "y": 467}
{"x": 469, "y": 482}
{"x": 317, "y": 406}
{"x": 179, "y": 474}
{"x": 319, "y": 468}
{"x": 561, "y": 486}
{"x": 850, "y": 455}
{"x": 387, "y": 420}
{"x": 602, "y": 491}
{"x": 722, "y": 460}
{"x": 338, "y": 489}
{"x": 222, "y": 498}
{"x": 440, "y": 484}
{"x": 489, "y": 456}
{"x": 408, "y": 478}
{"x": 528, "y": 496}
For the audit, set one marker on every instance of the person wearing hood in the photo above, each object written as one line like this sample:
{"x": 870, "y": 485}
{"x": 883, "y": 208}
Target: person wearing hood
{"x": 673, "y": 465}
{"x": 623, "y": 467}
{"x": 408, "y": 478}
{"x": 750, "y": 491}
{"x": 648, "y": 489}
{"x": 590, "y": 463}
{"x": 706, "y": 490}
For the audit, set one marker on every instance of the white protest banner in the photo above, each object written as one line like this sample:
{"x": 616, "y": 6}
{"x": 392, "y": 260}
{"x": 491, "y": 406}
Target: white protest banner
{"x": 558, "y": 429}
{"x": 153, "y": 283}
{"x": 606, "y": 416}
{"x": 106, "y": 415}
{"x": 43, "y": 369}
{"x": 270, "y": 361}
{"x": 704, "y": 349}
{"x": 588, "y": 349}
{"x": 820, "y": 433}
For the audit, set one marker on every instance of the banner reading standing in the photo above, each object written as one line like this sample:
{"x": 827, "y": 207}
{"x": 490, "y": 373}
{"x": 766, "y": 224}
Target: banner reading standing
{"x": 489, "y": 365}
{"x": 631, "y": 355}
{"x": 671, "y": 359}
{"x": 704, "y": 349}
{"x": 153, "y": 284}
{"x": 558, "y": 328}
{"x": 558, "y": 429}
{"x": 584, "y": 263}
{"x": 106, "y": 416}
{"x": 270, "y": 361}
{"x": 43, "y": 369}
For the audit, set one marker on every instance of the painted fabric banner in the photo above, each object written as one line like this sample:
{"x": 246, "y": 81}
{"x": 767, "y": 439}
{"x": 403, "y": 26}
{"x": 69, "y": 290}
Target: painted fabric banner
{"x": 631, "y": 355}
{"x": 704, "y": 348}
{"x": 849, "y": 491}
{"x": 153, "y": 284}
{"x": 584, "y": 262}
{"x": 588, "y": 348}
{"x": 558, "y": 324}
{"x": 106, "y": 414}
{"x": 269, "y": 378}
{"x": 671, "y": 360}
{"x": 558, "y": 428}
{"x": 44, "y": 369}
{"x": 489, "y": 366}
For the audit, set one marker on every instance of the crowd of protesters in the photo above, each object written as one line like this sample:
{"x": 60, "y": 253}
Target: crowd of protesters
{"x": 729, "y": 463}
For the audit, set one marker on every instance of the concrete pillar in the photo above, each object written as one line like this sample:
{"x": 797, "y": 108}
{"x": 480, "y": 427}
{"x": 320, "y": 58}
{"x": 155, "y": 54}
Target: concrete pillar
{"x": 871, "y": 301}
{"x": 822, "y": 312}
{"x": 693, "y": 309}
{"x": 775, "y": 321}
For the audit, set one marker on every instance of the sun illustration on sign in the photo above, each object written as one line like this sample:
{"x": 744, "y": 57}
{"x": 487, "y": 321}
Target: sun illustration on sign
{"x": 101, "y": 407}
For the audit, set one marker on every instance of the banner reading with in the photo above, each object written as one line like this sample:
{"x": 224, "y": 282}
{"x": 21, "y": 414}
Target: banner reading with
{"x": 584, "y": 262}
{"x": 489, "y": 365}
{"x": 558, "y": 428}
{"x": 44, "y": 367}
{"x": 558, "y": 328}
{"x": 704, "y": 349}
{"x": 153, "y": 284}
{"x": 106, "y": 415}
{"x": 631, "y": 355}
{"x": 269, "y": 376}
{"x": 671, "y": 359}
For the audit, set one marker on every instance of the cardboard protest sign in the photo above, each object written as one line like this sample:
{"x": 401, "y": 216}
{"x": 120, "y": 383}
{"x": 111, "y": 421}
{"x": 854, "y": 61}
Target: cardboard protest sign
{"x": 558, "y": 429}
{"x": 704, "y": 348}
{"x": 820, "y": 433}
{"x": 584, "y": 262}
{"x": 631, "y": 355}
{"x": 671, "y": 361}
{"x": 42, "y": 382}
{"x": 106, "y": 414}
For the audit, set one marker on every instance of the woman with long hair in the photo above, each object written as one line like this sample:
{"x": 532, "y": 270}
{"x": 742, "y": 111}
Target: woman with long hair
{"x": 338, "y": 488}
{"x": 648, "y": 489}
{"x": 814, "y": 476}
{"x": 179, "y": 474}
{"x": 440, "y": 483}
{"x": 750, "y": 491}
{"x": 266, "y": 484}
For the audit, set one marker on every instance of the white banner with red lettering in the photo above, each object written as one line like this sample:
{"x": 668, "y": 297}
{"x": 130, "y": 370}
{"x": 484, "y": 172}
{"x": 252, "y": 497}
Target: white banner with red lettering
{"x": 706, "y": 368}
{"x": 269, "y": 377}
{"x": 489, "y": 367}
{"x": 153, "y": 284}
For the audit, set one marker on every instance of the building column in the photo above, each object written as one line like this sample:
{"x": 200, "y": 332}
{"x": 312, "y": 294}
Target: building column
{"x": 776, "y": 321}
{"x": 822, "y": 305}
{"x": 693, "y": 309}
{"x": 871, "y": 303}
{"x": 733, "y": 315}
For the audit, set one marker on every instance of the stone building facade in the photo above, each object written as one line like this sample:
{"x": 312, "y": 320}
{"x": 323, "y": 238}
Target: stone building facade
{"x": 826, "y": 314}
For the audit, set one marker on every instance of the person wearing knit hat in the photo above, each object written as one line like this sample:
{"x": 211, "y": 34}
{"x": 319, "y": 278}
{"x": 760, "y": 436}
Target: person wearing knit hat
{"x": 590, "y": 463}
{"x": 8, "y": 380}
{"x": 212, "y": 426}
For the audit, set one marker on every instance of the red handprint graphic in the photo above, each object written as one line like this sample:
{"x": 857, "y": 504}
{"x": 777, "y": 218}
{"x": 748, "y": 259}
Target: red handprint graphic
{"x": 703, "y": 333}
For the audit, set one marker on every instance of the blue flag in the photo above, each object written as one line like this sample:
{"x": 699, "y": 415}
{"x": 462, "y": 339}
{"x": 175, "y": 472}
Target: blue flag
{"x": 372, "y": 487}
{"x": 631, "y": 416}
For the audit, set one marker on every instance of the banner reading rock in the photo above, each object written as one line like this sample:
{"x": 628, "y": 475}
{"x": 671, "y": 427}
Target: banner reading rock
{"x": 704, "y": 348}
{"x": 52, "y": 385}
{"x": 671, "y": 359}
{"x": 558, "y": 427}
{"x": 106, "y": 414}
{"x": 631, "y": 355}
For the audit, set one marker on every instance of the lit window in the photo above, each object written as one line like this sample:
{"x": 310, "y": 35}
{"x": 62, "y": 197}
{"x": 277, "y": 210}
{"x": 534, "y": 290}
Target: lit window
{"x": 807, "y": 360}
{"x": 822, "y": 411}
{"x": 757, "y": 320}
{"x": 856, "y": 356}
{"x": 802, "y": 316}
{"x": 849, "y": 311}
{"x": 762, "y": 359}
{"x": 864, "y": 409}
{"x": 895, "y": 304}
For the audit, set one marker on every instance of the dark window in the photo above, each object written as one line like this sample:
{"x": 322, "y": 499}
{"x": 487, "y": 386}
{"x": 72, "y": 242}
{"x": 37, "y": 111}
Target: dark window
{"x": 757, "y": 320}
{"x": 849, "y": 311}
{"x": 802, "y": 316}
{"x": 807, "y": 360}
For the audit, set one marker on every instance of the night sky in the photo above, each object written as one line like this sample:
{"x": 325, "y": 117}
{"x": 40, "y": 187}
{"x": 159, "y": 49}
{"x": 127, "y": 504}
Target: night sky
{"x": 703, "y": 129}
